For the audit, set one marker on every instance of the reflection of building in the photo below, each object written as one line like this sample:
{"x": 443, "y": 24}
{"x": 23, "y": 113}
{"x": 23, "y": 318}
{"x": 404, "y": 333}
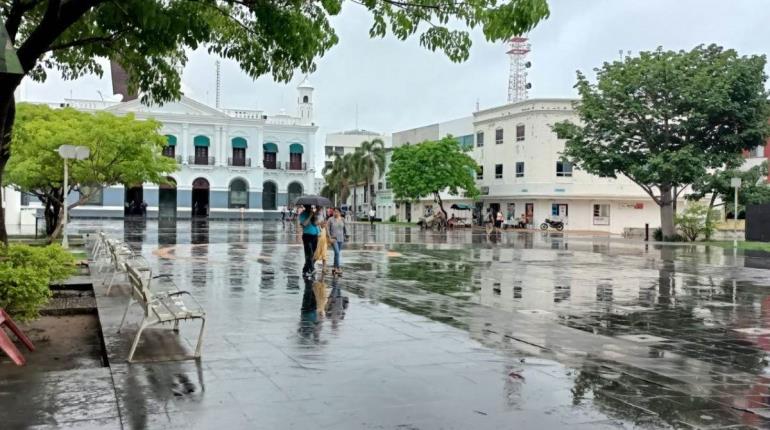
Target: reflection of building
{"x": 233, "y": 163}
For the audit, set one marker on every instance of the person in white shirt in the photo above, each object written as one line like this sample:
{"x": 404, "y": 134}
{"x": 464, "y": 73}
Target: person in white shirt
{"x": 372, "y": 213}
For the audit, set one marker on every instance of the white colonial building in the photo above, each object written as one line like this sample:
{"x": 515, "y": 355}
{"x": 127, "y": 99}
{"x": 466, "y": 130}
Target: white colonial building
{"x": 523, "y": 175}
{"x": 232, "y": 163}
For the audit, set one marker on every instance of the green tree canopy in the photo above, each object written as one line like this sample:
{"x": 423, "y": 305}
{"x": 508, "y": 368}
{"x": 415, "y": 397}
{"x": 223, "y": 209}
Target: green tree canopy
{"x": 430, "y": 167}
{"x": 754, "y": 188}
{"x": 664, "y": 118}
{"x": 124, "y": 150}
{"x": 150, "y": 39}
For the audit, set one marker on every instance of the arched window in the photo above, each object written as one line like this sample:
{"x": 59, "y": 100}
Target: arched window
{"x": 295, "y": 157}
{"x": 268, "y": 196}
{"x": 270, "y": 151}
{"x": 238, "y": 196}
{"x": 295, "y": 191}
{"x": 305, "y": 99}
{"x": 170, "y": 149}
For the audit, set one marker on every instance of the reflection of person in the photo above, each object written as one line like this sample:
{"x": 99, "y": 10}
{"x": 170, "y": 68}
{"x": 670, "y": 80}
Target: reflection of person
{"x": 310, "y": 233}
{"x": 336, "y": 304}
{"x": 337, "y": 233}
{"x": 319, "y": 291}
{"x": 144, "y": 208}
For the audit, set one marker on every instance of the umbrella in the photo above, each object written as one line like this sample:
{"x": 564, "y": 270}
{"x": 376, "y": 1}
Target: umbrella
{"x": 9, "y": 62}
{"x": 313, "y": 200}
{"x": 461, "y": 207}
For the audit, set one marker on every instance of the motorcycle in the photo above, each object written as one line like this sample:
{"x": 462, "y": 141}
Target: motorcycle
{"x": 555, "y": 224}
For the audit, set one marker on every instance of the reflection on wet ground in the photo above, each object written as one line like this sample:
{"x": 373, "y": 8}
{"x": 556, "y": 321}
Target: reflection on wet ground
{"x": 445, "y": 330}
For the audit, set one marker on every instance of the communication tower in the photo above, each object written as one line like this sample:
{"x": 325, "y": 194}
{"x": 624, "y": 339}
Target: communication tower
{"x": 517, "y": 80}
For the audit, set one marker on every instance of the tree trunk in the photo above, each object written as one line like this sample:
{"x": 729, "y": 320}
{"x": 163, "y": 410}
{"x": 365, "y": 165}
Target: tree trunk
{"x": 367, "y": 197}
{"x": 708, "y": 215}
{"x": 666, "y": 212}
{"x": 7, "y": 117}
{"x": 441, "y": 205}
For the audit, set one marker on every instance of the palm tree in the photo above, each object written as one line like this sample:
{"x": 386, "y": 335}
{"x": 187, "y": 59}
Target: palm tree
{"x": 371, "y": 161}
{"x": 340, "y": 176}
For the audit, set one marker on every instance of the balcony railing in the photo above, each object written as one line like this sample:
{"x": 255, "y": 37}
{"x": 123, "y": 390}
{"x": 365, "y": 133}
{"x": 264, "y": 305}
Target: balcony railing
{"x": 239, "y": 162}
{"x": 295, "y": 166}
{"x": 270, "y": 164}
{"x": 201, "y": 161}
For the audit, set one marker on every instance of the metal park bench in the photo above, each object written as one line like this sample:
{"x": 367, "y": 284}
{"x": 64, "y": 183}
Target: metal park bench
{"x": 120, "y": 255}
{"x": 161, "y": 307}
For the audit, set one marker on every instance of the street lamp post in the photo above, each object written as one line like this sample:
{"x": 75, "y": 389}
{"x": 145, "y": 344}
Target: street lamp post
{"x": 735, "y": 183}
{"x": 69, "y": 152}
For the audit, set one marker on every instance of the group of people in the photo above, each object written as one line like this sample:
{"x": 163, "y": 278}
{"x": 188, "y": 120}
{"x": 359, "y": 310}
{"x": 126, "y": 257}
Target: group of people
{"x": 319, "y": 232}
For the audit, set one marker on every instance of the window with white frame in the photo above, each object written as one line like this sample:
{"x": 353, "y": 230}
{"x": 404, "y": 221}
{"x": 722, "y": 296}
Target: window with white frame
{"x": 601, "y": 214}
{"x": 480, "y": 139}
{"x": 498, "y": 171}
{"x": 499, "y": 136}
{"x": 519, "y": 169}
{"x": 520, "y": 129}
{"x": 563, "y": 168}
{"x": 480, "y": 173}
{"x": 759, "y": 151}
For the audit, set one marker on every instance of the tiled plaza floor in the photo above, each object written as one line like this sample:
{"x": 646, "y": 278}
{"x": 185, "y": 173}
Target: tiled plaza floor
{"x": 426, "y": 331}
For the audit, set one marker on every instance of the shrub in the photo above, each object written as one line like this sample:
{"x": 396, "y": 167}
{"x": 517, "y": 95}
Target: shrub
{"x": 695, "y": 220}
{"x": 393, "y": 218}
{"x": 25, "y": 274}
{"x": 657, "y": 234}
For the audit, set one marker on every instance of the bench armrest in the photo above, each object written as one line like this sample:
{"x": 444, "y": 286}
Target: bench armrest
{"x": 186, "y": 293}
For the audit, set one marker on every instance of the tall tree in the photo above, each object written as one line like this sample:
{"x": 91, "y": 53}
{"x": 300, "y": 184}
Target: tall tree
{"x": 339, "y": 178}
{"x": 371, "y": 159}
{"x": 430, "y": 167}
{"x": 124, "y": 150}
{"x": 664, "y": 118}
{"x": 151, "y": 38}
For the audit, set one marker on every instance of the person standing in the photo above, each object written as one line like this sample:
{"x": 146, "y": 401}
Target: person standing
{"x": 499, "y": 218}
{"x": 337, "y": 232}
{"x": 310, "y": 231}
{"x": 372, "y": 213}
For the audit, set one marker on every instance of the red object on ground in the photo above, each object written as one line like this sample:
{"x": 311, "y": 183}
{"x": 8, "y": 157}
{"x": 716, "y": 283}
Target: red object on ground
{"x": 6, "y": 344}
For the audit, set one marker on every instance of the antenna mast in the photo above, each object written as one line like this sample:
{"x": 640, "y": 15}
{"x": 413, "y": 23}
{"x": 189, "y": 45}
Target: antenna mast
{"x": 219, "y": 86}
{"x": 517, "y": 79}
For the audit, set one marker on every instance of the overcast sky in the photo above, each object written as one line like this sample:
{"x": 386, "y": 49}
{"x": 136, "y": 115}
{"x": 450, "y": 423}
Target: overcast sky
{"x": 399, "y": 85}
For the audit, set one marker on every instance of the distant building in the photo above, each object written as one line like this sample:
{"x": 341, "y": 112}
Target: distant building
{"x": 522, "y": 173}
{"x": 233, "y": 163}
{"x": 346, "y": 142}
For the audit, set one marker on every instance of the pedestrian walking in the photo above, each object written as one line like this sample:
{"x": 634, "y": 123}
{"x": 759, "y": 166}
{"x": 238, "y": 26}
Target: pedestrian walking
{"x": 372, "y": 213}
{"x": 499, "y": 218}
{"x": 322, "y": 248}
{"x": 310, "y": 231}
{"x": 337, "y": 233}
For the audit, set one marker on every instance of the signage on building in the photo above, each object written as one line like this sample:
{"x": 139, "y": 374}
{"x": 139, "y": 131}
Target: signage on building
{"x": 638, "y": 205}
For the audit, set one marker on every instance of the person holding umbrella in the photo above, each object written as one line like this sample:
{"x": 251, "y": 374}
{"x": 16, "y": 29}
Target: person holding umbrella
{"x": 310, "y": 230}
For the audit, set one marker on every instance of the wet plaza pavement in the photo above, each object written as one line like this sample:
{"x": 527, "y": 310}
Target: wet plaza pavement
{"x": 425, "y": 331}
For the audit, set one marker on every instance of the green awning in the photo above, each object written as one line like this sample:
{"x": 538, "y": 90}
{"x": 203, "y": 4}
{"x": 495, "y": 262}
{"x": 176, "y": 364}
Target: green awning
{"x": 239, "y": 143}
{"x": 201, "y": 141}
{"x": 9, "y": 62}
{"x": 296, "y": 148}
{"x": 170, "y": 140}
{"x": 270, "y": 147}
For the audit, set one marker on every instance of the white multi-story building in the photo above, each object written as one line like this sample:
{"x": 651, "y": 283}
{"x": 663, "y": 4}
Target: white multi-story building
{"x": 232, "y": 163}
{"x": 346, "y": 142}
{"x": 523, "y": 175}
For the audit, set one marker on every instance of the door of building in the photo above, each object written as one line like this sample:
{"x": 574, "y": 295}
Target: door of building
{"x": 529, "y": 212}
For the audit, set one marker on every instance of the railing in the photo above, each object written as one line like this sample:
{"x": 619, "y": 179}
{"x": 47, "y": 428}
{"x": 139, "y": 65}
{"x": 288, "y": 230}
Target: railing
{"x": 244, "y": 113}
{"x": 239, "y": 162}
{"x": 200, "y": 161}
{"x": 295, "y": 166}
{"x": 271, "y": 164}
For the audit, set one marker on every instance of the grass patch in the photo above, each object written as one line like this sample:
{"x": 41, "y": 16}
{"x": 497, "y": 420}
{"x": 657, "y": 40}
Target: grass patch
{"x": 742, "y": 244}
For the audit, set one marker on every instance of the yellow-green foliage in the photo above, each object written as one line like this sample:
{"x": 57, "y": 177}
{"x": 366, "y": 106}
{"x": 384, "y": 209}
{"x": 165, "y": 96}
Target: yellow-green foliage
{"x": 26, "y": 272}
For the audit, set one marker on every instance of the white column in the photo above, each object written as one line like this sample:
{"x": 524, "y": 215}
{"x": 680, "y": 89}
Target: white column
{"x": 223, "y": 146}
{"x": 185, "y": 143}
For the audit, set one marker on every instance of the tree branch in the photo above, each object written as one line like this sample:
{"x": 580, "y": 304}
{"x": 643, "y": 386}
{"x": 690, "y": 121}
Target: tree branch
{"x": 105, "y": 39}
{"x": 17, "y": 11}
{"x": 646, "y": 188}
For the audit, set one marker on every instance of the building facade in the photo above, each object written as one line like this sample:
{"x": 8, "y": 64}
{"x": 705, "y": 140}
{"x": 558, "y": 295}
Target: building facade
{"x": 233, "y": 164}
{"x": 346, "y": 142}
{"x": 522, "y": 173}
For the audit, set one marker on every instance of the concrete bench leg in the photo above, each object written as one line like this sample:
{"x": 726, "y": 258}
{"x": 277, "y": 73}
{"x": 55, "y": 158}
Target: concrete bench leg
{"x": 200, "y": 339}
{"x": 136, "y": 340}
